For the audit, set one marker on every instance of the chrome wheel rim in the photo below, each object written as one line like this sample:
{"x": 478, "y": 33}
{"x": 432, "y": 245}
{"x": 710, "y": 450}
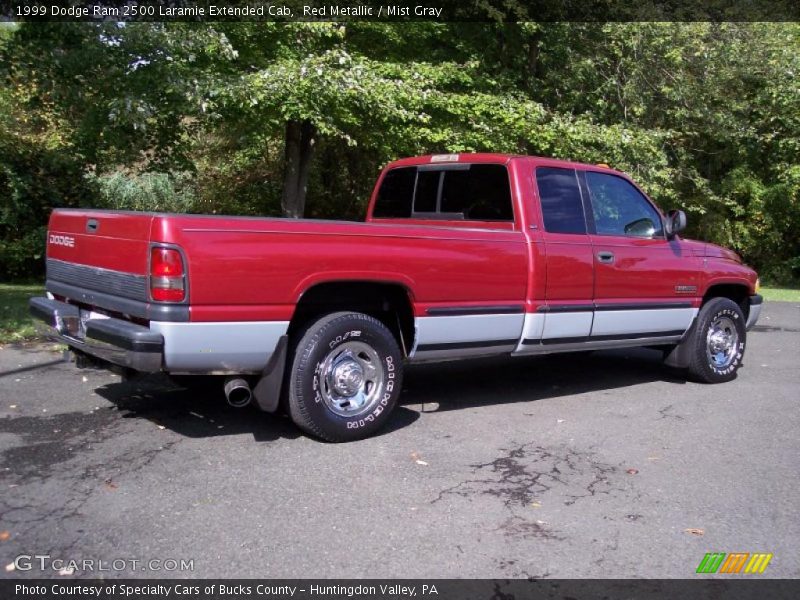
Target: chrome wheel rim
{"x": 722, "y": 342}
{"x": 352, "y": 379}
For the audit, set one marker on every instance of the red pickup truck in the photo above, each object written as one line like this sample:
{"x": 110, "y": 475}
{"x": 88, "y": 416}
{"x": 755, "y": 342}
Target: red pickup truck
{"x": 461, "y": 255}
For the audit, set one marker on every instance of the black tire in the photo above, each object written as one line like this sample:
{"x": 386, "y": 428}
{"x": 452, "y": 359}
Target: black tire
{"x": 702, "y": 366}
{"x": 348, "y": 341}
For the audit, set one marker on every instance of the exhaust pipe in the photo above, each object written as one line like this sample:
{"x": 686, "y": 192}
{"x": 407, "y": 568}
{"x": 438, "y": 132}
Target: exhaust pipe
{"x": 237, "y": 392}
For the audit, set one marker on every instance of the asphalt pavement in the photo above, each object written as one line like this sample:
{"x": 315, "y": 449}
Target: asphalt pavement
{"x": 598, "y": 465}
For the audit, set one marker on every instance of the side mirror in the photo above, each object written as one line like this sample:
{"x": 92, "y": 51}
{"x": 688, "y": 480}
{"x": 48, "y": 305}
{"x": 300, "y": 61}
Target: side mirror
{"x": 675, "y": 223}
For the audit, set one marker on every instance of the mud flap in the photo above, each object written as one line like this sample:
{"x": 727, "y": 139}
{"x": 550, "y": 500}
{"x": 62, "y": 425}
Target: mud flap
{"x": 680, "y": 356}
{"x": 267, "y": 391}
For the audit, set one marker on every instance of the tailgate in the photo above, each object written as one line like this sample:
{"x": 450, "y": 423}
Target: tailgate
{"x": 110, "y": 240}
{"x": 102, "y": 253}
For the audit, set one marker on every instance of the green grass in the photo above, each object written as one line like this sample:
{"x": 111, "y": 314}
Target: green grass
{"x": 16, "y": 324}
{"x": 780, "y": 294}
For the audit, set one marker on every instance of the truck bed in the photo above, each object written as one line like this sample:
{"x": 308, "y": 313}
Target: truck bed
{"x": 242, "y": 268}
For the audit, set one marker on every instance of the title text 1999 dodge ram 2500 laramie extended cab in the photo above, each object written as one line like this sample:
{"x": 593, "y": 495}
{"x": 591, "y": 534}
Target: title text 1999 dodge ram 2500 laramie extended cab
{"x": 461, "y": 255}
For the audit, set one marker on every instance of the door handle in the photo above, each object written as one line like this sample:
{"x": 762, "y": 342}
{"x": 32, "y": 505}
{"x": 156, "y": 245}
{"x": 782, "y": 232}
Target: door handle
{"x": 605, "y": 257}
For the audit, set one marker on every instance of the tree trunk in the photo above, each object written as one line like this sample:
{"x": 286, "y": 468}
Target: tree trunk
{"x": 534, "y": 63}
{"x": 300, "y": 142}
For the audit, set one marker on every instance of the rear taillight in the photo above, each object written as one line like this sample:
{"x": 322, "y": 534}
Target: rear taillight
{"x": 167, "y": 275}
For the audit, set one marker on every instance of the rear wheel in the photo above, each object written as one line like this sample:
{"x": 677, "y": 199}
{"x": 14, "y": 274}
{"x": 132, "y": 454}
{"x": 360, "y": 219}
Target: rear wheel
{"x": 345, "y": 377}
{"x": 719, "y": 342}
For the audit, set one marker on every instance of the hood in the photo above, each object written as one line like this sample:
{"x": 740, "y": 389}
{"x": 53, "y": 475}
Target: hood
{"x": 694, "y": 247}
{"x": 714, "y": 251}
{"x": 708, "y": 250}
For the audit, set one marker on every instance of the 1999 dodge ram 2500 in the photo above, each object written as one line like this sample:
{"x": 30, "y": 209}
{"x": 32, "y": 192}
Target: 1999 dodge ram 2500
{"x": 461, "y": 255}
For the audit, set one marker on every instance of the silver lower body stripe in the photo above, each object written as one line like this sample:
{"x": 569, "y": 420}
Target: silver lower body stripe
{"x": 228, "y": 347}
{"x": 622, "y": 322}
{"x": 555, "y": 326}
{"x": 567, "y": 325}
{"x": 466, "y": 335}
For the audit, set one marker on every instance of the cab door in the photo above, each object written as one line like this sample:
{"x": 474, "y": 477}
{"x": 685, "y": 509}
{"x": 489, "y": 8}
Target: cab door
{"x": 644, "y": 284}
{"x": 566, "y": 315}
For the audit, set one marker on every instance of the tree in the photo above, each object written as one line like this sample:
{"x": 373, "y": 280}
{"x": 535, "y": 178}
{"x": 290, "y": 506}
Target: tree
{"x": 297, "y": 118}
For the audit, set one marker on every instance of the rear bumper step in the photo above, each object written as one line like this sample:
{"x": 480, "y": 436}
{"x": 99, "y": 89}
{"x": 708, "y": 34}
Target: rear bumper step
{"x": 119, "y": 342}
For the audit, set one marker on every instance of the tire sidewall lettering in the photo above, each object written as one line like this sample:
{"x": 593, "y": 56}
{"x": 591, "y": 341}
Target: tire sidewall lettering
{"x": 387, "y": 396}
{"x": 340, "y": 339}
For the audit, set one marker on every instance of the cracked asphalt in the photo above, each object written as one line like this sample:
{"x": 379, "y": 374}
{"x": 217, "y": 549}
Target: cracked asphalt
{"x": 599, "y": 465}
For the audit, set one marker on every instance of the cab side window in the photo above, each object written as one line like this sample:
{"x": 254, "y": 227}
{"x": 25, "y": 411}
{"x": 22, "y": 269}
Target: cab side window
{"x": 560, "y": 198}
{"x": 620, "y": 209}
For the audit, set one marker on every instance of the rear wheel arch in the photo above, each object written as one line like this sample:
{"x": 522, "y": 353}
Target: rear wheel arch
{"x": 388, "y": 302}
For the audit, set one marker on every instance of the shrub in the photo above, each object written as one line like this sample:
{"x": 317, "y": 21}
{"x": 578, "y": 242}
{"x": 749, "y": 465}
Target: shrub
{"x": 155, "y": 192}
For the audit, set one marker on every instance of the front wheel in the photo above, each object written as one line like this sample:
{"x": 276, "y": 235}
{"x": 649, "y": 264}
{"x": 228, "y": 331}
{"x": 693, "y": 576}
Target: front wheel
{"x": 345, "y": 377}
{"x": 718, "y": 343}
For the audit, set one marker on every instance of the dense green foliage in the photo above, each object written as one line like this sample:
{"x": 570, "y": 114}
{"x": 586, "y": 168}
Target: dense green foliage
{"x": 226, "y": 117}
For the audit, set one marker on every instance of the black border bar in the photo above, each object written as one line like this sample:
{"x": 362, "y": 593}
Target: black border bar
{"x": 568, "y": 308}
{"x": 466, "y": 345}
{"x": 460, "y": 311}
{"x": 603, "y": 338}
{"x": 700, "y": 587}
{"x": 489, "y": 11}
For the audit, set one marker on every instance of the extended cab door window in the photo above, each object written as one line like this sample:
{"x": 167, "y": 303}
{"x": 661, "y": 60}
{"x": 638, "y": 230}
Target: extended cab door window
{"x": 560, "y": 196}
{"x": 567, "y": 315}
{"x": 620, "y": 209}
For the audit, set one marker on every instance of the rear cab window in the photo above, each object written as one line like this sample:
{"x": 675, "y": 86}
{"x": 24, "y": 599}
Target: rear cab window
{"x": 453, "y": 192}
{"x": 395, "y": 194}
